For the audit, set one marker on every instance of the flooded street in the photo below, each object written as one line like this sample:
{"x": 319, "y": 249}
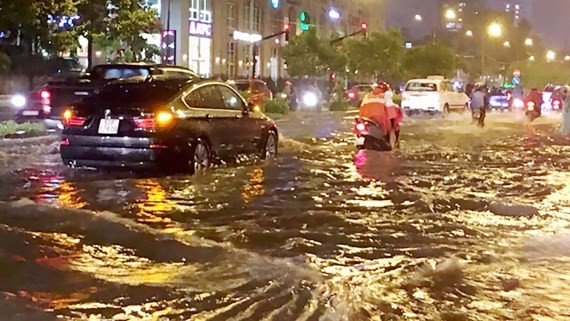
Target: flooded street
{"x": 462, "y": 223}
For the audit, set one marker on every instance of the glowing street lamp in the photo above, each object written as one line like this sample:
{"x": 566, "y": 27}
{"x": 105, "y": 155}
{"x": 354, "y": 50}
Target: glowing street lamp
{"x": 334, "y": 14}
{"x": 550, "y": 55}
{"x": 469, "y": 33}
{"x": 567, "y": 58}
{"x": 418, "y": 17}
{"x": 450, "y": 15}
{"x": 507, "y": 44}
{"x": 495, "y": 30}
{"x": 531, "y": 58}
{"x": 528, "y": 42}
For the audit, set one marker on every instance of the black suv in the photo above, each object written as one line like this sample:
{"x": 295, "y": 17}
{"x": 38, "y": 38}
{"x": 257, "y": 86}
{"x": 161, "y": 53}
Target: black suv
{"x": 156, "y": 121}
{"x": 47, "y": 103}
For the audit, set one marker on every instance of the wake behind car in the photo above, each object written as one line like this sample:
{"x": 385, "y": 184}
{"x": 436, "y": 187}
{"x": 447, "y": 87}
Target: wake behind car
{"x": 157, "y": 122}
{"x": 433, "y": 94}
{"x": 46, "y": 104}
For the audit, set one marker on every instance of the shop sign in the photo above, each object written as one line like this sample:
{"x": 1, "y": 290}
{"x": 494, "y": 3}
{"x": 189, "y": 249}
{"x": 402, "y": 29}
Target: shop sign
{"x": 200, "y": 29}
{"x": 248, "y": 37}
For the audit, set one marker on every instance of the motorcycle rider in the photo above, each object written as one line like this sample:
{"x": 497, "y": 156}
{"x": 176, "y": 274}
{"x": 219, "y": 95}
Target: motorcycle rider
{"x": 478, "y": 104}
{"x": 374, "y": 108}
{"x": 536, "y": 97}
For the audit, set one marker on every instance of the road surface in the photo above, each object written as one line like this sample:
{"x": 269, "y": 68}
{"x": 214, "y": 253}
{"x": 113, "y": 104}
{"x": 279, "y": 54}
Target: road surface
{"x": 462, "y": 223}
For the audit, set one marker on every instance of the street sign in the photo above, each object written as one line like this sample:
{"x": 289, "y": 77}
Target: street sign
{"x": 516, "y": 81}
{"x": 516, "y": 73}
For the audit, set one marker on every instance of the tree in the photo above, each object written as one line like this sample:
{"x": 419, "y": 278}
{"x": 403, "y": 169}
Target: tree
{"x": 434, "y": 58}
{"x": 118, "y": 25}
{"x": 34, "y": 34}
{"x": 377, "y": 56}
{"x": 311, "y": 56}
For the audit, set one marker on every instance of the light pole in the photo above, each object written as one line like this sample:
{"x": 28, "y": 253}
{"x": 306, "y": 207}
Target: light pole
{"x": 494, "y": 30}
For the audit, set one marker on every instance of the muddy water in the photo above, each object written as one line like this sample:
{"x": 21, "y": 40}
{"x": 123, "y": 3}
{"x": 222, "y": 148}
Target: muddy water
{"x": 460, "y": 224}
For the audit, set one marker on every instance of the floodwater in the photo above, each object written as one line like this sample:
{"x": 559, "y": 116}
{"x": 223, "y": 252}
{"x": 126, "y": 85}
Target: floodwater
{"x": 461, "y": 224}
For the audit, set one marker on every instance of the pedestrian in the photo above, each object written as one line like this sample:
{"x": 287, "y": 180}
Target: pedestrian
{"x": 478, "y": 104}
{"x": 565, "y": 125}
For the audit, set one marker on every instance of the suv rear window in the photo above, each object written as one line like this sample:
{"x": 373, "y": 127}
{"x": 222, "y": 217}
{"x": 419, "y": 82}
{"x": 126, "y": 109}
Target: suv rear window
{"x": 108, "y": 73}
{"x": 145, "y": 94}
{"x": 421, "y": 86}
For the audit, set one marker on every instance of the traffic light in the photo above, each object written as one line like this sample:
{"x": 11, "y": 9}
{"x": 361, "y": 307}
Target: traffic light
{"x": 286, "y": 28}
{"x": 169, "y": 47}
{"x": 305, "y": 20}
{"x": 363, "y": 27}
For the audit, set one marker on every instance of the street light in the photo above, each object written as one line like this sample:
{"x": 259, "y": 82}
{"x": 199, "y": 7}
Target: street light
{"x": 550, "y": 55}
{"x": 469, "y": 33}
{"x": 567, "y": 58}
{"x": 450, "y": 14}
{"x": 531, "y": 58}
{"x": 418, "y": 17}
{"x": 334, "y": 14}
{"x": 528, "y": 42}
{"x": 507, "y": 44}
{"x": 495, "y": 30}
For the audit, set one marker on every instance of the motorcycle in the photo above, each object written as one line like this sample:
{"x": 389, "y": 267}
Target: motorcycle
{"x": 478, "y": 117}
{"x": 556, "y": 104}
{"x": 532, "y": 111}
{"x": 369, "y": 135}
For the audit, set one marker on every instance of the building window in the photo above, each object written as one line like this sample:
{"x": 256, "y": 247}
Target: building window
{"x": 247, "y": 14}
{"x": 231, "y": 15}
{"x": 278, "y": 23}
{"x": 231, "y": 63}
{"x": 256, "y": 17}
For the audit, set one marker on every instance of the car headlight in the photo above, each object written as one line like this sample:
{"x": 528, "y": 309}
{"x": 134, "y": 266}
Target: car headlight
{"x": 310, "y": 99}
{"x": 18, "y": 101}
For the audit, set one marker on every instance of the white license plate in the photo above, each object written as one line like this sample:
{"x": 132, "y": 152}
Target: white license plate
{"x": 30, "y": 113}
{"x": 109, "y": 126}
{"x": 81, "y": 93}
{"x": 360, "y": 141}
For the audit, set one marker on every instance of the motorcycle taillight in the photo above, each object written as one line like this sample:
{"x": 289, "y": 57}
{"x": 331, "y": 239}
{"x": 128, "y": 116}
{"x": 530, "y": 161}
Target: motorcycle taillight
{"x": 360, "y": 127}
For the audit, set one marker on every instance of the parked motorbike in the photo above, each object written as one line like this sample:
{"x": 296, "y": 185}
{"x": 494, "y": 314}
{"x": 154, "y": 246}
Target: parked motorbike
{"x": 532, "y": 111}
{"x": 369, "y": 135}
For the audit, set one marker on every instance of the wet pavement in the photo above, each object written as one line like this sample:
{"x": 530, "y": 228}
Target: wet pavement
{"x": 460, "y": 224}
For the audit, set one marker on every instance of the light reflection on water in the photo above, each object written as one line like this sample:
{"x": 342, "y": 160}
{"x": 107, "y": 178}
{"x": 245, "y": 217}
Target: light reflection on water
{"x": 328, "y": 233}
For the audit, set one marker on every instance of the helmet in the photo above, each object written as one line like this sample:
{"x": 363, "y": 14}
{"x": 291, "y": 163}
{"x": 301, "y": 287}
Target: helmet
{"x": 384, "y": 86}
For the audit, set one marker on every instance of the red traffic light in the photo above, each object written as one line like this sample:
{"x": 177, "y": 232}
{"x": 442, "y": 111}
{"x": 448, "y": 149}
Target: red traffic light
{"x": 286, "y": 27}
{"x": 364, "y": 26}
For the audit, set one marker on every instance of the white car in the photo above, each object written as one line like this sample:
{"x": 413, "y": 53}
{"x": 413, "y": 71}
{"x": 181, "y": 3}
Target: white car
{"x": 433, "y": 94}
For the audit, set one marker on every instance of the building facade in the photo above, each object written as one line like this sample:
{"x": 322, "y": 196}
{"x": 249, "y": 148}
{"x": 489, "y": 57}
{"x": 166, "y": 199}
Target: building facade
{"x": 222, "y": 37}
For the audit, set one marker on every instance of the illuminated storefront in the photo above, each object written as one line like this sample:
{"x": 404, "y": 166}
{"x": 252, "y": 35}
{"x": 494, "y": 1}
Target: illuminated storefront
{"x": 200, "y": 41}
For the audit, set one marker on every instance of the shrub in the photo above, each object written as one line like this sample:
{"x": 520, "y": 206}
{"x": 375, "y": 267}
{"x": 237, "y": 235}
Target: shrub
{"x": 339, "y": 106}
{"x": 278, "y": 105}
{"x": 10, "y": 128}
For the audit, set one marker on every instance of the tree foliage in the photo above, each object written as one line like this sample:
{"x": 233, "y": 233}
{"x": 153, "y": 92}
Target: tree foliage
{"x": 377, "y": 56}
{"x": 309, "y": 55}
{"x": 434, "y": 58}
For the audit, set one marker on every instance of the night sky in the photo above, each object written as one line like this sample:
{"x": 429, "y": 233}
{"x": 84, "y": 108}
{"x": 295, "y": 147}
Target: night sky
{"x": 550, "y": 18}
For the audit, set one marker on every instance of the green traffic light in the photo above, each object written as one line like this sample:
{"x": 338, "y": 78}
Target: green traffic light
{"x": 305, "y": 20}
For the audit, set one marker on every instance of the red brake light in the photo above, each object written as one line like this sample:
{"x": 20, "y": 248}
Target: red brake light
{"x": 145, "y": 123}
{"x": 75, "y": 121}
{"x": 45, "y": 94}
